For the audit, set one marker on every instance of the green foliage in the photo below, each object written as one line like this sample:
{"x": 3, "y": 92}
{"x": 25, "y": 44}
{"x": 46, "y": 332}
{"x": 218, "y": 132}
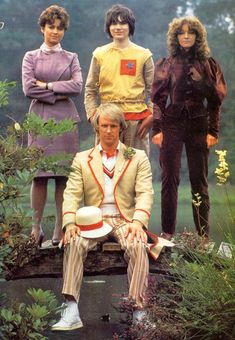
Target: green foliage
{"x": 196, "y": 299}
{"x": 19, "y": 164}
{"x": 4, "y": 253}
{"x": 4, "y": 86}
{"x": 205, "y": 289}
{"x": 51, "y": 128}
{"x": 200, "y": 300}
{"x": 22, "y": 321}
{"x": 20, "y": 252}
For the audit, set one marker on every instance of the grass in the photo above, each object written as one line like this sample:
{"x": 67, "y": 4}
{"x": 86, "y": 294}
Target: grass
{"x": 195, "y": 300}
{"x": 219, "y": 214}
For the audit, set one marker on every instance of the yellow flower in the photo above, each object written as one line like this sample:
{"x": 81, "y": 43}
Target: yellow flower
{"x": 17, "y": 126}
{"x": 198, "y": 201}
{"x": 222, "y": 172}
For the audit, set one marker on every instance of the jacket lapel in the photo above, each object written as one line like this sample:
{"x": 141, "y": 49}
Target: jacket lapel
{"x": 96, "y": 167}
{"x": 121, "y": 165}
{"x": 58, "y": 68}
{"x": 64, "y": 64}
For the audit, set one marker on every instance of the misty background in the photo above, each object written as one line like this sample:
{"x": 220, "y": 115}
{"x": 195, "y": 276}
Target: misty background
{"x": 22, "y": 33}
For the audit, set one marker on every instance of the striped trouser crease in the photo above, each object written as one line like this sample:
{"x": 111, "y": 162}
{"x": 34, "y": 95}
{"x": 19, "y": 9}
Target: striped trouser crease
{"x": 135, "y": 255}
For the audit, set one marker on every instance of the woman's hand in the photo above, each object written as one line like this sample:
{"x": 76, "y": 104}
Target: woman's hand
{"x": 158, "y": 139}
{"x": 41, "y": 84}
{"x": 195, "y": 75}
{"x": 61, "y": 97}
{"x": 211, "y": 140}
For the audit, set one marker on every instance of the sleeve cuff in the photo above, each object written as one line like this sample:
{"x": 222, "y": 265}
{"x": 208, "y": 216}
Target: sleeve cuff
{"x": 50, "y": 86}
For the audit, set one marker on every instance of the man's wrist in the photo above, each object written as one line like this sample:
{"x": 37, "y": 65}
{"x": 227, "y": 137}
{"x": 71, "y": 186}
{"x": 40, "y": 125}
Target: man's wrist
{"x": 138, "y": 223}
{"x": 69, "y": 226}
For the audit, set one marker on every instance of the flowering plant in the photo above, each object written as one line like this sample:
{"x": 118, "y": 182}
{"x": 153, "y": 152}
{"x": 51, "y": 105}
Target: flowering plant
{"x": 129, "y": 152}
{"x": 222, "y": 171}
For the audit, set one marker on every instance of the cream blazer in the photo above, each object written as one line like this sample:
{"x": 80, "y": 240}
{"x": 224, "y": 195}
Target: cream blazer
{"x": 133, "y": 190}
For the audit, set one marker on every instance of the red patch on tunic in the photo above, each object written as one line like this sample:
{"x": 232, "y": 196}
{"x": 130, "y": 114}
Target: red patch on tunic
{"x": 128, "y": 67}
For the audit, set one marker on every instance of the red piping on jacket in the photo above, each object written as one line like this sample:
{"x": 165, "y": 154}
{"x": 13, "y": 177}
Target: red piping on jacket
{"x": 91, "y": 157}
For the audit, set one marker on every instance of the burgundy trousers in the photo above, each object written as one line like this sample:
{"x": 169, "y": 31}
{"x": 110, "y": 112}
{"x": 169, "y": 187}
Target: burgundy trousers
{"x": 190, "y": 133}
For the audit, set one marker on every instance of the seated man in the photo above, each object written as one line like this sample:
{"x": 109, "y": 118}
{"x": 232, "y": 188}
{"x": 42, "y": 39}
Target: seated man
{"x": 118, "y": 180}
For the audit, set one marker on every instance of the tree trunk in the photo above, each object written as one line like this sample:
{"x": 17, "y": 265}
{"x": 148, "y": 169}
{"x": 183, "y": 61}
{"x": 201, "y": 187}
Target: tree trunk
{"x": 107, "y": 259}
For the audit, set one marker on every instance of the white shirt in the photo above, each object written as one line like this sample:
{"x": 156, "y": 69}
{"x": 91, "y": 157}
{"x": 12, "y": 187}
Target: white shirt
{"x": 108, "y": 206}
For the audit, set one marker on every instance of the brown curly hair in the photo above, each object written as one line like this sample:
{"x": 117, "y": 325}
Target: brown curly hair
{"x": 51, "y": 13}
{"x": 202, "y": 50}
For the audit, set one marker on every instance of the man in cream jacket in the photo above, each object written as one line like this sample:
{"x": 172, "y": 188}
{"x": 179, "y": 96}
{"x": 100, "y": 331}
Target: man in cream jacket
{"x": 118, "y": 180}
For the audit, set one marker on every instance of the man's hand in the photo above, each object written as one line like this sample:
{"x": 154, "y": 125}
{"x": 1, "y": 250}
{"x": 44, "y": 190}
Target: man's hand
{"x": 145, "y": 126}
{"x": 158, "y": 139}
{"x": 135, "y": 231}
{"x": 211, "y": 140}
{"x": 70, "y": 233}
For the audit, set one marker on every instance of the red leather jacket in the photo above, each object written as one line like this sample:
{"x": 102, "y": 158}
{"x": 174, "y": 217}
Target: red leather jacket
{"x": 175, "y": 92}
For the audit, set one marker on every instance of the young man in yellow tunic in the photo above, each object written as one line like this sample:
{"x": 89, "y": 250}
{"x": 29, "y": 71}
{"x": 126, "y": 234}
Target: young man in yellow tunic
{"x": 121, "y": 72}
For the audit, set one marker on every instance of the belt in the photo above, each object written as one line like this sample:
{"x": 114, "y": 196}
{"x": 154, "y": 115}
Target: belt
{"x": 112, "y": 216}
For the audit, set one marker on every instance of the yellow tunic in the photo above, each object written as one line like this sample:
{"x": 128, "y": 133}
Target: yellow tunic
{"x": 121, "y": 76}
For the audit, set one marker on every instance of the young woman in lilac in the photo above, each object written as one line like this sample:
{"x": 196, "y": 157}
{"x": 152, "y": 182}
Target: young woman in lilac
{"x": 51, "y": 76}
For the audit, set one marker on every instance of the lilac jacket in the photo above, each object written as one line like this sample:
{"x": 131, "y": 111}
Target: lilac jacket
{"x": 60, "y": 68}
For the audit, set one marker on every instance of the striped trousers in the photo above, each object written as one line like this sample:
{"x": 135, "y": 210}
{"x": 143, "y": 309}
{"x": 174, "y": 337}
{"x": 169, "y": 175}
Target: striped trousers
{"x": 135, "y": 255}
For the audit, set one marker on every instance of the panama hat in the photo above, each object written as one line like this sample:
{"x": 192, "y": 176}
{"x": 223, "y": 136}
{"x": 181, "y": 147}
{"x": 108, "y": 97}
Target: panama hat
{"x": 89, "y": 220}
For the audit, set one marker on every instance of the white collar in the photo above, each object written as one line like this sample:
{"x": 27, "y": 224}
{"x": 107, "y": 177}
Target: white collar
{"x": 45, "y": 48}
{"x": 101, "y": 149}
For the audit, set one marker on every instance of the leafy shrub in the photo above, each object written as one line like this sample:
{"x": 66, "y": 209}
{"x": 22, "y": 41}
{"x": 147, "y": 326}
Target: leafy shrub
{"x": 19, "y": 163}
{"x": 4, "y": 86}
{"x": 196, "y": 299}
{"x": 27, "y": 321}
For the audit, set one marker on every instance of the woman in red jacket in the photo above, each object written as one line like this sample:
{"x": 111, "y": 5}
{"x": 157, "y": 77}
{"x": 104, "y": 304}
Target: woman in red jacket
{"x": 187, "y": 92}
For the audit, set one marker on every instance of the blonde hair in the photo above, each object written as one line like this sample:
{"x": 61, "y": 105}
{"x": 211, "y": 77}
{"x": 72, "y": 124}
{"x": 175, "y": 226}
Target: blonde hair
{"x": 201, "y": 48}
{"x": 110, "y": 111}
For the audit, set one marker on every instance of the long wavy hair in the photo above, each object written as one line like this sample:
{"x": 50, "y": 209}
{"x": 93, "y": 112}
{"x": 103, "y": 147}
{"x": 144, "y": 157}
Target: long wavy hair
{"x": 201, "y": 48}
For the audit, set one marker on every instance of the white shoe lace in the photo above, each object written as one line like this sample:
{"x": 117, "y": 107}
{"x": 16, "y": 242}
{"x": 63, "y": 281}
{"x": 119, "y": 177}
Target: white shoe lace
{"x": 65, "y": 315}
{"x": 64, "y": 311}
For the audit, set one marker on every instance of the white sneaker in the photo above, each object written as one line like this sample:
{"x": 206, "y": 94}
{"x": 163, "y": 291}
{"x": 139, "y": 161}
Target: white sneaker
{"x": 140, "y": 317}
{"x": 70, "y": 318}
